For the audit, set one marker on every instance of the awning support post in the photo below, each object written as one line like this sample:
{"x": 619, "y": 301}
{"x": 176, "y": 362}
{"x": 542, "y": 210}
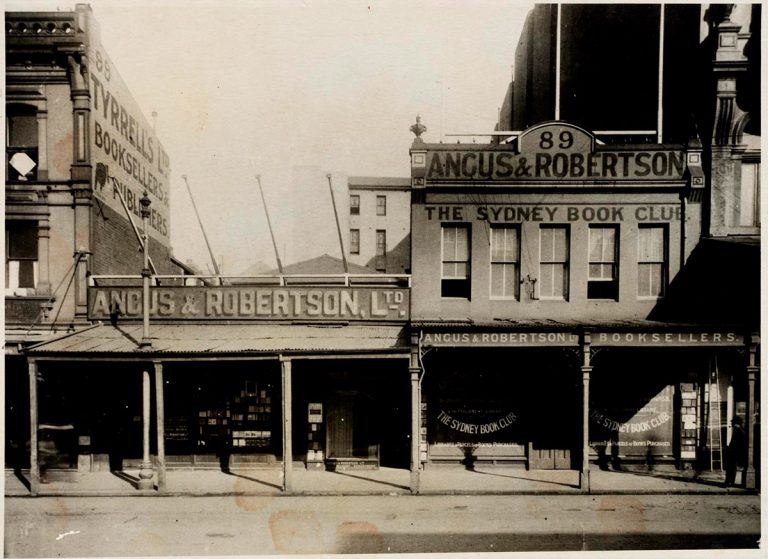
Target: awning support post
{"x": 750, "y": 478}
{"x": 287, "y": 427}
{"x": 34, "y": 464}
{"x": 414, "y": 369}
{"x": 586, "y": 369}
{"x": 145, "y": 473}
{"x": 160, "y": 425}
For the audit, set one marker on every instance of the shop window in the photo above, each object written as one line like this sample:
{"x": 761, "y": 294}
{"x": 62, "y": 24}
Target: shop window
{"x": 381, "y": 250}
{"x": 381, "y": 205}
{"x": 354, "y": 204}
{"x": 20, "y": 257}
{"x": 21, "y": 143}
{"x": 652, "y": 261}
{"x": 505, "y": 262}
{"x": 749, "y": 202}
{"x": 455, "y": 261}
{"x": 354, "y": 241}
{"x": 603, "y": 269}
{"x": 553, "y": 265}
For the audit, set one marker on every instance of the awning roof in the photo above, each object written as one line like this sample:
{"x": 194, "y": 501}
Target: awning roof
{"x": 221, "y": 339}
{"x": 546, "y": 324}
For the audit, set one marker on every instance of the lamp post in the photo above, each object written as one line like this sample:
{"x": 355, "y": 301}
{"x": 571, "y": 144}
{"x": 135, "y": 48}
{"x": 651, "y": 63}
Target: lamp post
{"x": 145, "y": 471}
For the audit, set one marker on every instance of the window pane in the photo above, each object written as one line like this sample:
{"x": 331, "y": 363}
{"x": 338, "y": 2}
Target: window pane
{"x": 22, "y": 241}
{"x": 497, "y": 280}
{"x": 27, "y": 273}
{"x": 547, "y": 247}
{"x": 511, "y": 245}
{"x": 651, "y": 244}
{"x": 595, "y": 245}
{"x": 595, "y": 271}
{"x": 461, "y": 269}
{"x": 561, "y": 245}
{"x": 497, "y": 244}
{"x": 558, "y": 280}
{"x": 643, "y": 280}
{"x": 22, "y": 131}
{"x": 545, "y": 281}
{"x": 656, "y": 277}
{"x": 462, "y": 247}
{"x": 609, "y": 245}
{"x": 449, "y": 243}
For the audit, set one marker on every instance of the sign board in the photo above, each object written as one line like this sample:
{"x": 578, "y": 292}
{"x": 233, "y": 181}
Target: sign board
{"x": 553, "y": 151}
{"x": 499, "y": 339}
{"x": 565, "y": 339}
{"x": 123, "y": 140}
{"x": 252, "y": 303}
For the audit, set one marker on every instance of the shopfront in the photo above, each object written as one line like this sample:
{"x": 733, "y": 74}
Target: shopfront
{"x": 658, "y": 396}
{"x": 218, "y": 387}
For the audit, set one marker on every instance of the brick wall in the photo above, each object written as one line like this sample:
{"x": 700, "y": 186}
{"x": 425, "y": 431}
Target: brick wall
{"x": 116, "y": 248}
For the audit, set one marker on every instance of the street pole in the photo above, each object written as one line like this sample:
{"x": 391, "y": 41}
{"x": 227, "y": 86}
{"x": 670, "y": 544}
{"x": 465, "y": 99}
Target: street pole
{"x": 338, "y": 226}
{"x": 145, "y": 473}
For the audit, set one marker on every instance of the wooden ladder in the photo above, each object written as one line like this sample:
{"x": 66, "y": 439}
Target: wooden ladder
{"x": 714, "y": 426}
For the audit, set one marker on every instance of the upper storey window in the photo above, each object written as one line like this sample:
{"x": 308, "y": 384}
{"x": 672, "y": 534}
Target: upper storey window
{"x": 505, "y": 262}
{"x": 555, "y": 249}
{"x": 381, "y": 205}
{"x": 20, "y": 257}
{"x": 652, "y": 261}
{"x": 603, "y": 270}
{"x": 354, "y": 204}
{"x": 455, "y": 277}
{"x": 21, "y": 143}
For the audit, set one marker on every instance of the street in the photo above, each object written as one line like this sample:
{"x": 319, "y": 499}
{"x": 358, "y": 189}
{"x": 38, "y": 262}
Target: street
{"x": 238, "y": 525}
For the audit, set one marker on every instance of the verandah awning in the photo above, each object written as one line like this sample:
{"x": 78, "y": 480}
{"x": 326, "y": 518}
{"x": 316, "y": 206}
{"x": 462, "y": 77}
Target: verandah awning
{"x": 224, "y": 339}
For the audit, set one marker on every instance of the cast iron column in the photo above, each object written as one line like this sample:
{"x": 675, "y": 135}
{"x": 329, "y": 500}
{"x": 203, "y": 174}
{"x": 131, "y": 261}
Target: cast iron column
{"x": 752, "y": 372}
{"x": 160, "y": 421}
{"x": 414, "y": 370}
{"x": 145, "y": 473}
{"x": 34, "y": 465}
{"x": 287, "y": 428}
{"x": 586, "y": 369}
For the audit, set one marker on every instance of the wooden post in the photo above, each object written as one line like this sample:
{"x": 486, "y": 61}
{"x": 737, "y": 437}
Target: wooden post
{"x": 34, "y": 465}
{"x": 750, "y": 478}
{"x": 287, "y": 431}
{"x": 586, "y": 369}
{"x": 160, "y": 424}
{"x": 145, "y": 473}
{"x": 414, "y": 370}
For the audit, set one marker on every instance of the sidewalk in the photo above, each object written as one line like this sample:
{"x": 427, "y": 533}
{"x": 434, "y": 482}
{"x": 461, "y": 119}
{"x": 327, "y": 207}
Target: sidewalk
{"x": 493, "y": 480}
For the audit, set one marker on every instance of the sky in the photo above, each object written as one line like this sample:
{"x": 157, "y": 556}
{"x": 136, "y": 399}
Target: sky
{"x": 265, "y": 87}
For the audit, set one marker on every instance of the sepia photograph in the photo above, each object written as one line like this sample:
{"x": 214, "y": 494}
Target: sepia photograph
{"x": 382, "y": 277}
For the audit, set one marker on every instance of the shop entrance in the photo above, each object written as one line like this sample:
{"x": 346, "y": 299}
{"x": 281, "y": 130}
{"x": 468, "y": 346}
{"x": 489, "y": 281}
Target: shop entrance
{"x": 351, "y": 430}
{"x": 555, "y": 419}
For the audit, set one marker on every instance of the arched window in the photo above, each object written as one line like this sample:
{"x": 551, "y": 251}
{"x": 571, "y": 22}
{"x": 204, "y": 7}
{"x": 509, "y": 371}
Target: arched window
{"x": 21, "y": 142}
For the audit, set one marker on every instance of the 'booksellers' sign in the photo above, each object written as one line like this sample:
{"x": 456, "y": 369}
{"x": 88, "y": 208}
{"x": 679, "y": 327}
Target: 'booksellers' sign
{"x": 251, "y": 303}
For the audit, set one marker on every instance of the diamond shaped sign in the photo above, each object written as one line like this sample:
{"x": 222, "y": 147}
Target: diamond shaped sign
{"x": 22, "y": 163}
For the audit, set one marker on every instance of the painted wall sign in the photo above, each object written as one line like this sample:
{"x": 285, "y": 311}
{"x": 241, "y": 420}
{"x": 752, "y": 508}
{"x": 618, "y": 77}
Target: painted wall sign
{"x": 499, "y": 339}
{"x": 252, "y": 303}
{"x": 555, "y": 213}
{"x": 476, "y": 428}
{"x": 631, "y": 426}
{"x": 552, "y": 151}
{"x": 122, "y": 139}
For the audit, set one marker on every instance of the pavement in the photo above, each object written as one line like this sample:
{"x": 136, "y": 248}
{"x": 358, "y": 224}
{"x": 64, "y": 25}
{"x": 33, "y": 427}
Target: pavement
{"x": 442, "y": 480}
{"x": 268, "y": 524}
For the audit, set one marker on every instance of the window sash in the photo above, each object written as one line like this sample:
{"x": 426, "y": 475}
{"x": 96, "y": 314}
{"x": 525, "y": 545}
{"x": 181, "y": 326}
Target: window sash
{"x": 602, "y": 253}
{"x": 381, "y": 243}
{"x": 354, "y": 241}
{"x": 553, "y": 280}
{"x": 505, "y": 245}
{"x": 505, "y": 282}
{"x": 554, "y": 245}
{"x": 652, "y": 262}
{"x": 381, "y": 205}
{"x": 455, "y": 252}
{"x": 354, "y": 204}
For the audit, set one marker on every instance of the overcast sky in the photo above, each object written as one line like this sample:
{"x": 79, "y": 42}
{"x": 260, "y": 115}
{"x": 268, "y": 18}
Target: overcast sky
{"x": 246, "y": 87}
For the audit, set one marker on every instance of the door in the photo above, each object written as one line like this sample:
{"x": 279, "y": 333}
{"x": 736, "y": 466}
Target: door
{"x": 554, "y": 431}
{"x": 340, "y": 420}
